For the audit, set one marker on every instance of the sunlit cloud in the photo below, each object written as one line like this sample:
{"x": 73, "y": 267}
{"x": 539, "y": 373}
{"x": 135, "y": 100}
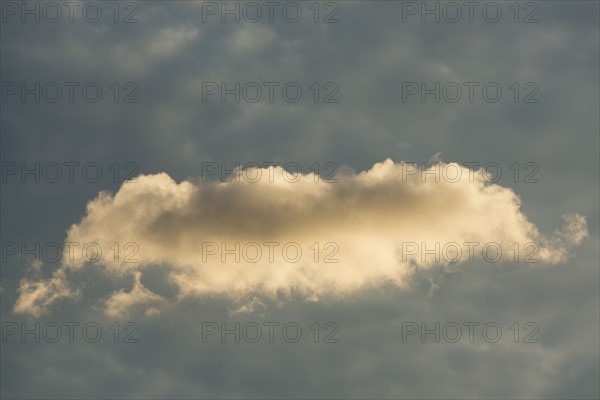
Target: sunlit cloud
{"x": 288, "y": 233}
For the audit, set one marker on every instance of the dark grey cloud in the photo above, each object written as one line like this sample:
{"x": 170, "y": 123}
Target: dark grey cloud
{"x": 368, "y": 54}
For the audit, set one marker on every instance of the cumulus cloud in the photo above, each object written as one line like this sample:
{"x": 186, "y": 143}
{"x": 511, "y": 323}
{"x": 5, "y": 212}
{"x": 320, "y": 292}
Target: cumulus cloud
{"x": 274, "y": 233}
{"x": 120, "y": 302}
{"x": 36, "y": 295}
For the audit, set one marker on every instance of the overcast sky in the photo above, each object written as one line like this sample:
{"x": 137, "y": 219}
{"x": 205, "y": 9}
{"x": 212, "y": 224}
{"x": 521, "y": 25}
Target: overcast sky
{"x": 398, "y": 129}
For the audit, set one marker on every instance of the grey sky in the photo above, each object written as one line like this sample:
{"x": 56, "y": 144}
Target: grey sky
{"x": 368, "y": 55}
